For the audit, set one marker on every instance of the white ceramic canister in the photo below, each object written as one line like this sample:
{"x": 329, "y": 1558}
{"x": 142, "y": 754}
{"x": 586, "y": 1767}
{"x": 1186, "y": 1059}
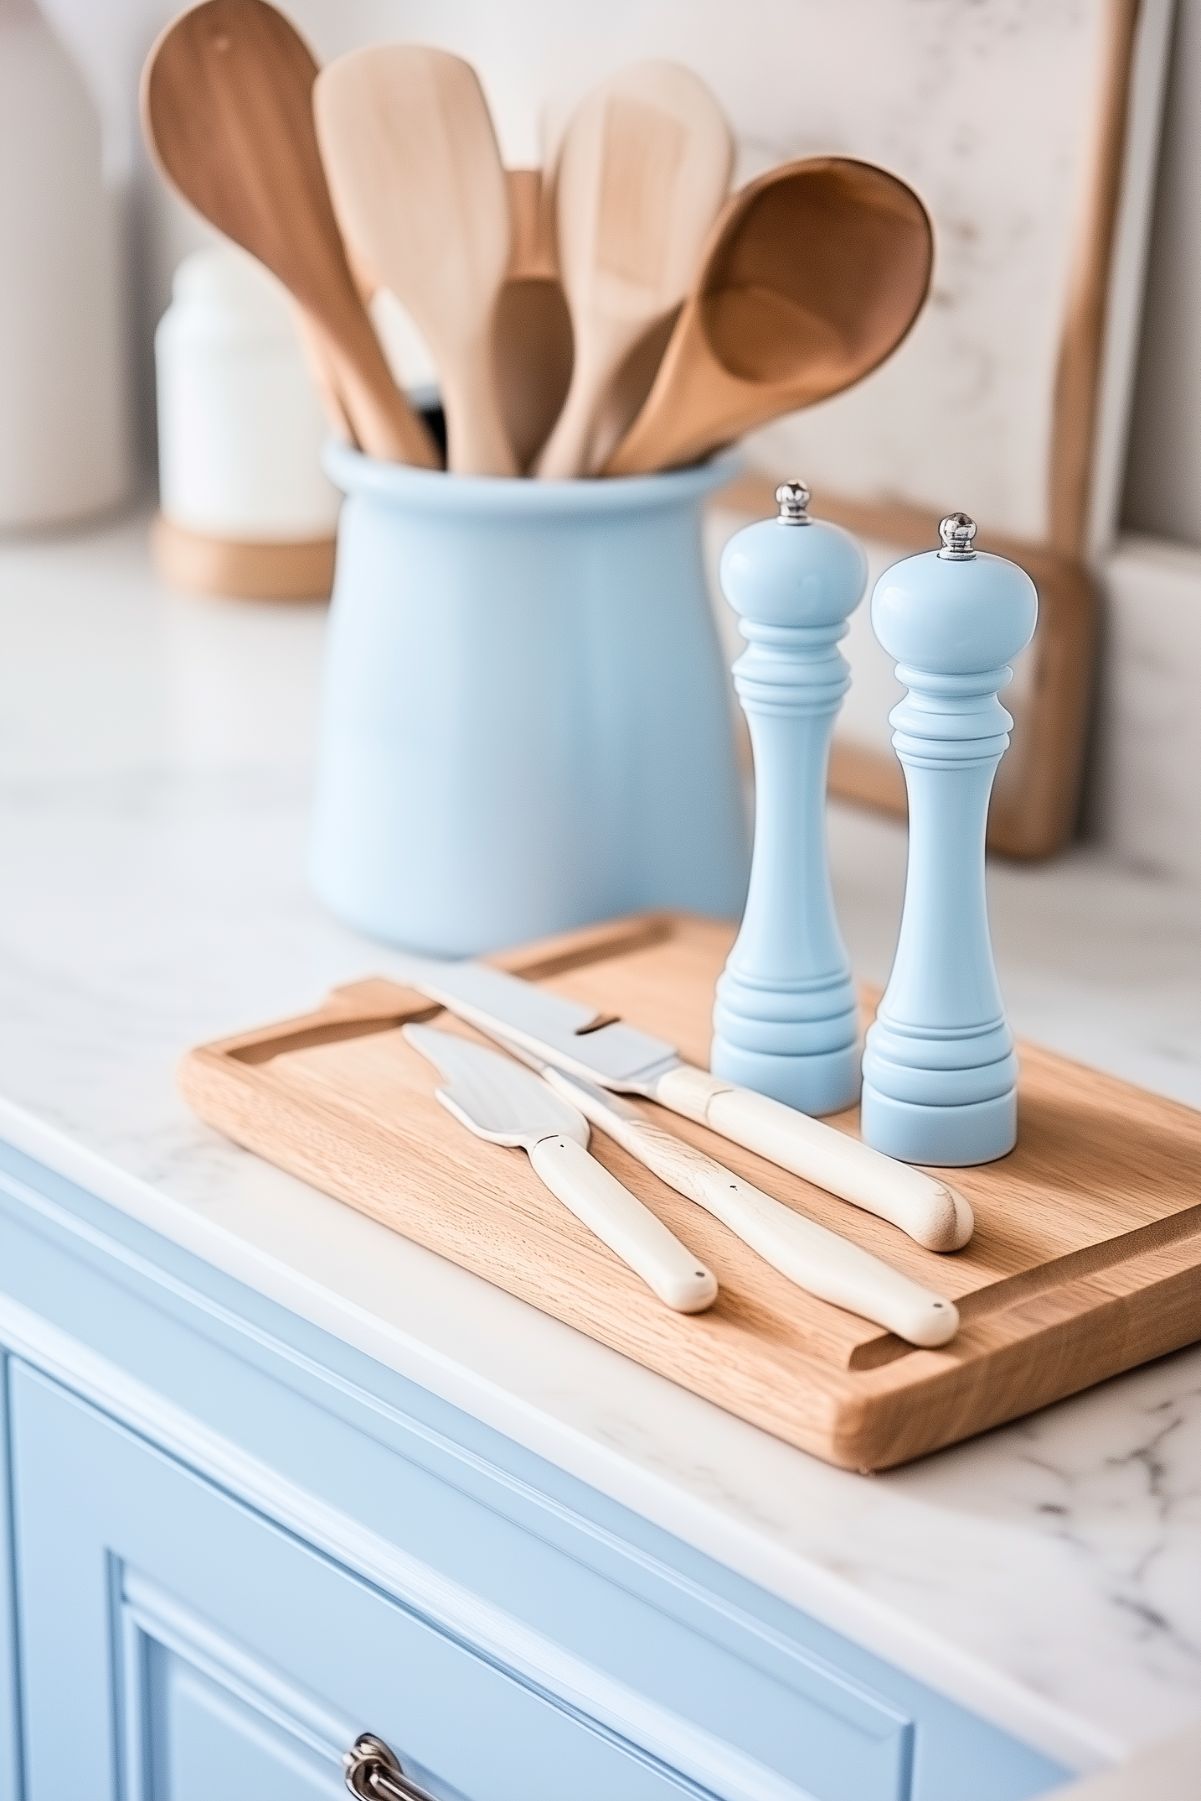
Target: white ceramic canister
{"x": 65, "y": 430}
{"x": 246, "y": 508}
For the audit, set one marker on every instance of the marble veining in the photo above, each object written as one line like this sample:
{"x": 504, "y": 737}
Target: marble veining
{"x": 154, "y": 767}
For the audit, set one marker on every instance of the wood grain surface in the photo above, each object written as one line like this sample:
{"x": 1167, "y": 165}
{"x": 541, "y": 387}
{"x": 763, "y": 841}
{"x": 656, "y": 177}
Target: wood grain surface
{"x": 643, "y": 167}
{"x": 764, "y": 332}
{"x": 1086, "y": 1259}
{"x": 416, "y": 179}
{"x": 532, "y": 335}
{"x": 227, "y": 109}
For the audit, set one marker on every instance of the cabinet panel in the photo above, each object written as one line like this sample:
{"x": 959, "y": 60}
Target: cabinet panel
{"x": 199, "y": 1718}
{"x": 209, "y": 1743}
{"x": 176, "y": 1645}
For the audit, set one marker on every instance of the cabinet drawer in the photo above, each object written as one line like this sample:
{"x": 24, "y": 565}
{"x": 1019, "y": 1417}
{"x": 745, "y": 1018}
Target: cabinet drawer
{"x": 177, "y": 1646}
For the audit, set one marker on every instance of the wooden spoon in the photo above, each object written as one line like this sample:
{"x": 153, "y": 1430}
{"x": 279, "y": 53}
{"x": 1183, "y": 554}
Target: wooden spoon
{"x": 227, "y": 109}
{"x": 419, "y": 190}
{"x": 813, "y": 275}
{"x": 532, "y": 336}
{"x": 643, "y": 168}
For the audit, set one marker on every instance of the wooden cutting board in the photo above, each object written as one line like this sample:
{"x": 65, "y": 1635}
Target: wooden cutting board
{"x": 1086, "y": 1259}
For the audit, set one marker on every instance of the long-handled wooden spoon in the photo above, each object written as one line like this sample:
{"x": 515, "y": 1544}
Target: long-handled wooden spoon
{"x": 227, "y": 107}
{"x": 532, "y": 336}
{"x": 813, "y": 275}
{"x": 420, "y": 193}
{"x": 643, "y": 169}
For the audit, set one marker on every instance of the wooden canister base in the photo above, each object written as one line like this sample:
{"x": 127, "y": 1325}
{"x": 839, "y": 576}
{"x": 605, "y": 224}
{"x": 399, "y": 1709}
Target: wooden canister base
{"x": 242, "y": 569}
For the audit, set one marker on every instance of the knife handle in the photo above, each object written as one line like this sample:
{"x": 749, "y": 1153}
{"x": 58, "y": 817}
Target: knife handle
{"x": 928, "y": 1209}
{"x": 619, "y": 1219}
{"x": 817, "y": 1260}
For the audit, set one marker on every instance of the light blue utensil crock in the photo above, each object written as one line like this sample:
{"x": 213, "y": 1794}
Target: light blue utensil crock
{"x": 527, "y": 722}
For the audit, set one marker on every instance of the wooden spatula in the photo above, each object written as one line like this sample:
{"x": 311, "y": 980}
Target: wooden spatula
{"x": 813, "y": 275}
{"x": 643, "y": 169}
{"x": 227, "y": 110}
{"x": 420, "y": 193}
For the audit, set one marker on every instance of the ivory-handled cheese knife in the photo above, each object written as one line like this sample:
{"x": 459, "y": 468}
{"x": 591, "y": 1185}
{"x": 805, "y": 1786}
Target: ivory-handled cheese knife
{"x": 574, "y": 1037}
{"x": 817, "y": 1260}
{"x": 499, "y": 1100}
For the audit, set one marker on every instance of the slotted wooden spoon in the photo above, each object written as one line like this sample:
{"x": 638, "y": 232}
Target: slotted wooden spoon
{"x": 420, "y": 193}
{"x": 814, "y": 274}
{"x": 643, "y": 169}
{"x": 227, "y": 97}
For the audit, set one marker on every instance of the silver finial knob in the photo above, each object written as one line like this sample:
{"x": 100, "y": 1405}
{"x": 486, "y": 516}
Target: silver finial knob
{"x": 957, "y": 532}
{"x": 792, "y": 498}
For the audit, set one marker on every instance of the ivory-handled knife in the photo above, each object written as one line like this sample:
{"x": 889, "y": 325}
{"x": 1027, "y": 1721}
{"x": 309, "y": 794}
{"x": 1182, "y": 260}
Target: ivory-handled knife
{"x": 817, "y": 1260}
{"x": 499, "y": 1100}
{"x": 608, "y": 1052}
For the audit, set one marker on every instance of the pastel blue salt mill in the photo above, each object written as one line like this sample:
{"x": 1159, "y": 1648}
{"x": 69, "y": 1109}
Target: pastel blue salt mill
{"x": 785, "y": 1020}
{"x": 939, "y": 1070}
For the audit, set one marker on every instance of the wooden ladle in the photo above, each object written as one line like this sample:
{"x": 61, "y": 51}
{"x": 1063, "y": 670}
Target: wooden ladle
{"x": 227, "y": 98}
{"x": 812, "y": 277}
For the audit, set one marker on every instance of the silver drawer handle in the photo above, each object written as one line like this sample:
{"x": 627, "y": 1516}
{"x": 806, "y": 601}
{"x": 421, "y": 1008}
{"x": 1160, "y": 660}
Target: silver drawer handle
{"x": 373, "y": 1773}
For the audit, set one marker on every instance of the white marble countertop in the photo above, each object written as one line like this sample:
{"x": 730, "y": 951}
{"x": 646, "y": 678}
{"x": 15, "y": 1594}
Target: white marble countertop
{"x": 154, "y": 775}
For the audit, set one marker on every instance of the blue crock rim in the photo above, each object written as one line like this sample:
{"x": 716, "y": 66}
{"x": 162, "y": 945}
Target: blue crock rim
{"x": 355, "y": 473}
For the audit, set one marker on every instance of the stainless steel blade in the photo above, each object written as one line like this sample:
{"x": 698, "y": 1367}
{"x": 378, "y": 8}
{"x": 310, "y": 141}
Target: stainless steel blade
{"x": 564, "y": 1032}
{"x": 578, "y": 1089}
{"x": 492, "y": 1095}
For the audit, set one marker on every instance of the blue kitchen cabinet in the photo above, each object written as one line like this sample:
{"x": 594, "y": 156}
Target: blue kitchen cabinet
{"x": 237, "y": 1543}
{"x": 176, "y": 1645}
{"x": 10, "y": 1771}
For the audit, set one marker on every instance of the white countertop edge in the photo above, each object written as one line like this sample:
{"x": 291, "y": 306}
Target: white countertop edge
{"x": 949, "y": 1670}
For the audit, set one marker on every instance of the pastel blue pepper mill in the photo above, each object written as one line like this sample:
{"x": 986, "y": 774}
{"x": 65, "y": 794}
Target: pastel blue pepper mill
{"x": 939, "y": 1071}
{"x": 786, "y": 1020}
